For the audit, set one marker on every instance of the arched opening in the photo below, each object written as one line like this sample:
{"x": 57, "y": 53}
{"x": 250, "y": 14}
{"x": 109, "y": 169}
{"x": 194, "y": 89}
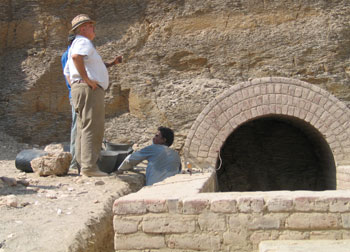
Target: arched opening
{"x": 274, "y": 103}
{"x": 276, "y": 153}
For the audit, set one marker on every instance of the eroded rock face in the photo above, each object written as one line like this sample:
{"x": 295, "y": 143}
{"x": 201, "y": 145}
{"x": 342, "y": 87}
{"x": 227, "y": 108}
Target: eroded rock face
{"x": 178, "y": 56}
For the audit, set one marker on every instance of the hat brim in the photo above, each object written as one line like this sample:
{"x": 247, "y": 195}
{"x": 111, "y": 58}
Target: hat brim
{"x": 80, "y": 23}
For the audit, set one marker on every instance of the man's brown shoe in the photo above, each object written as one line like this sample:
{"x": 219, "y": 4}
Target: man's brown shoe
{"x": 96, "y": 173}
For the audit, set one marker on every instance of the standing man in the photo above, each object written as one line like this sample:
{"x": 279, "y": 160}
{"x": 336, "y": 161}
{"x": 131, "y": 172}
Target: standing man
{"x": 89, "y": 79}
{"x": 163, "y": 162}
{"x": 73, "y": 164}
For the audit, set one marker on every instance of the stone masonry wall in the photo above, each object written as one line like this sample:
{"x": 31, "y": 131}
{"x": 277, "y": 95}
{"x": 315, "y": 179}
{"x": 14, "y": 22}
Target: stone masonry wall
{"x": 193, "y": 221}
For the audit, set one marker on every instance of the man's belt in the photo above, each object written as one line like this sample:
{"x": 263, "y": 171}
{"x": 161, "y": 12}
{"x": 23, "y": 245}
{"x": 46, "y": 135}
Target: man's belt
{"x": 82, "y": 81}
{"x": 78, "y": 81}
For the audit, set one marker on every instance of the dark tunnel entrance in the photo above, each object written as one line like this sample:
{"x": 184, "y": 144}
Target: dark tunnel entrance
{"x": 276, "y": 153}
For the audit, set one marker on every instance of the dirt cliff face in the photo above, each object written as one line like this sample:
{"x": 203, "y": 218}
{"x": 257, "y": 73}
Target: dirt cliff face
{"x": 178, "y": 56}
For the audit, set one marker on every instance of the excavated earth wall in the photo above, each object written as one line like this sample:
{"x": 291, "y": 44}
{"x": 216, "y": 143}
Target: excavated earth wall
{"x": 178, "y": 56}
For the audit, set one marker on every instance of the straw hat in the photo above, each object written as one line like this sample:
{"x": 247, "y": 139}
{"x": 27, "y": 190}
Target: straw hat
{"x": 79, "y": 20}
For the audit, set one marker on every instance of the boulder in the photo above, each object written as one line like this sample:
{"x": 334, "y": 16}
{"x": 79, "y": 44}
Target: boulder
{"x": 54, "y": 148}
{"x": 52, "y": 164}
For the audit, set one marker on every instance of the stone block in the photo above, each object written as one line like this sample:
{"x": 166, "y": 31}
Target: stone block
{"x": 309, "y": 221}
{"x": 279, "y": 204}
{"x": 257, "y": 90}
{"x": 251, "y": 92}
{"x": 248, "y": 114}
{"x": 138, "y": 241}
{"x": 226, "y": 103}
{"x": 212, "y": 222}
{"x": 266, "y": 99}
{"x": 307, "y": 204}
{"x": 223, "y": 206}
{"x": 239, "y": 221}
{"x": 346, "y": 220}
{"x": 248, "y": 204}
{"x": 202, "y": 154}
{"x": 264, "y": 222}
{"x": 298, "y": 92}
{"x": 208, "y": 242}
{"x": 263, "y": 89}
{"x": 284, "y": 89}
{"x": 259, "y": 236}
{"x": 346, "y": 235}
{"x": 238, "y": 239}
{"x": 195, "y": 206}
{"x": 173, "y": 206}
{"x": 305, "y": 246}
{"x": 155, "y": 206}
{"x": 325, "y": 235}
{"x": 278, "y": 88}
{"x": 168, "y": 224}
{"x": 284, "y": 109}
{"x": 291, "y": 90}
{"x": 340, "y": 205}
{"x": 293, "y": 235}
{"x": 125, "y": 206}
{"x": 270, "y": 88}
{"x": 245, "y": 93}
{"x": 126, "y": 225}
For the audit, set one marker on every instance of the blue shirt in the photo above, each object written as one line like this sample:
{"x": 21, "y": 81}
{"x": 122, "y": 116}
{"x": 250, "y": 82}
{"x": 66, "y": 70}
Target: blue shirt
{"x": 64, "y": 60}
{"x": 163, "y": 162}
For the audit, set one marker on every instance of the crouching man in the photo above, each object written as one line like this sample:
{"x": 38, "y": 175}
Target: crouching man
{"x": 163, "y": 162}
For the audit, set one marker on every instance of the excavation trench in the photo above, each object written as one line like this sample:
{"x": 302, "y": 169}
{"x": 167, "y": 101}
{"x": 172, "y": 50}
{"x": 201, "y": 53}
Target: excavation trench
{"x": 98, "y": 231}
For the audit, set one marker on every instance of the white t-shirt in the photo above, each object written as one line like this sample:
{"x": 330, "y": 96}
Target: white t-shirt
{"x": 94, "y": 66}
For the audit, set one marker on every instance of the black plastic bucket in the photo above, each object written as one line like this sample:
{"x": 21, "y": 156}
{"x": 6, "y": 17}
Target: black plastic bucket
{"x": 118, "y": 147}
{"x": 25, "y": 156}
{"x": 122, "y": 155}
{"x": 122, "y": 149}
{"x": 107, "y": 161}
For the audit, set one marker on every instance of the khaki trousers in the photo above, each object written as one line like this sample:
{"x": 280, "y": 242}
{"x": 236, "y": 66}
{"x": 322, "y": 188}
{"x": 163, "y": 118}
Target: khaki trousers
{"x": 89, "y": 106}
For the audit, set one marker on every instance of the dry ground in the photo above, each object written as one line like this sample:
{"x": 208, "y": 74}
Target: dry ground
{"x": 68, "y": 213}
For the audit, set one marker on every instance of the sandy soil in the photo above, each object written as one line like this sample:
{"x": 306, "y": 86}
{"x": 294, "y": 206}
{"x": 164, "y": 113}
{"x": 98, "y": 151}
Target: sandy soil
{"x": 68, "y": 213}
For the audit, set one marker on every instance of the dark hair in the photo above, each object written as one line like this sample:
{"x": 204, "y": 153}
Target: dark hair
{"x": 71, "y": 37}
{"x": 168, "y": 134}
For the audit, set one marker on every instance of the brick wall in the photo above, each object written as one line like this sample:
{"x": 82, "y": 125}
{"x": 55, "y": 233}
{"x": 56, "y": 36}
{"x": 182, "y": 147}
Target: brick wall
{"x": 175, "y": 214}
{"x": 272, "y": 96}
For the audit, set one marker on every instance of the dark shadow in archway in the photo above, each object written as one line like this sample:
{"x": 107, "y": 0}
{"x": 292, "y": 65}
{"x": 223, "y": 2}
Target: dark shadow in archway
{"x": 276, "y": 153}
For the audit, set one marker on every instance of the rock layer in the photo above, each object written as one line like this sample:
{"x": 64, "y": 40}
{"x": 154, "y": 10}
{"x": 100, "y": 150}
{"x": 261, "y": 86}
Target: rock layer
{"x": 178, "y": 56}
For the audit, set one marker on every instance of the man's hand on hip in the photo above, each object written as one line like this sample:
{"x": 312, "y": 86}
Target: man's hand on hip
{"x": 79, "y": 64}
{"x": 92, "y": 83}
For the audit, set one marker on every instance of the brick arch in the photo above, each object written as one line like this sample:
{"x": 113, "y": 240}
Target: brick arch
{"x": 266, "y": 97}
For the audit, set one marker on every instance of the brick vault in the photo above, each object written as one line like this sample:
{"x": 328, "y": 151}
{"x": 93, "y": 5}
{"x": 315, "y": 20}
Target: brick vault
{"x": 303, "y": 144}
